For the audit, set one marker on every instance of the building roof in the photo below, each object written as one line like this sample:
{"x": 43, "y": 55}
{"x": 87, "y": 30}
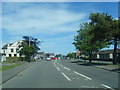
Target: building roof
{"x": 11, "y": 44}
{"x": 78, "y": 52}
{"x": 106, "y": 51}
{"x": 5, "y": 46}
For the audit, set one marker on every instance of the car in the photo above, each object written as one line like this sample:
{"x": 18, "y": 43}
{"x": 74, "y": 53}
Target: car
{"x": 53, "y": 58}
{"x": 48, "y": 59}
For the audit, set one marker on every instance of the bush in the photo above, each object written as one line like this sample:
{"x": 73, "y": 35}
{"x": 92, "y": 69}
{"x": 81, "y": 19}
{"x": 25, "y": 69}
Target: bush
{"x": 13, "y": 59}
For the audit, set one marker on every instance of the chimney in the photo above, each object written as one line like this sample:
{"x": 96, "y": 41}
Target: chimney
{"x": 8, "y": 45}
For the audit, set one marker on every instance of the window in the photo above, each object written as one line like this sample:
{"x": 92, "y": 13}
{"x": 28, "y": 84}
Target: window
{"x": 17, "y": 50}
{"x": 9, "y": 55}
{"x": 11, "y": 50}
{"x": 4, "y": 54}
{"x": 15, "y": 55}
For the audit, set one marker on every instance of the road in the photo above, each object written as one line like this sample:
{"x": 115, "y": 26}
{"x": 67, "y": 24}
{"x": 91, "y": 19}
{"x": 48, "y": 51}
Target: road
{"x": 63, "y": 74}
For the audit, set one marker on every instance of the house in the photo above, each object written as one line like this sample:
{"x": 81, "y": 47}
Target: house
{"x": 106, "y": 54}
{"x": 12, "y": 49}
{"x": 50, "y": 55}
{"x": 78, "y": 54}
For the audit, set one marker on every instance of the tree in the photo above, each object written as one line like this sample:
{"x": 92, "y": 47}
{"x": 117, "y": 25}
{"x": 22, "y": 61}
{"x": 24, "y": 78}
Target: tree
{"x": 32, "y": 41}
{"x": 29, "y": 47}
{"x": 27, "y": 50}
{"x": 71, "y": 55}
{"x": 105, "y": 29}
{"x": 114, "y": 34}
{"x": 84, "y": 40}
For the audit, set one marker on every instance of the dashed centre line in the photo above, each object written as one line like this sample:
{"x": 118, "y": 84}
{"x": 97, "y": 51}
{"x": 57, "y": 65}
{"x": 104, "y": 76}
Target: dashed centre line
{"x": 73, "y": 71}
{"x": 66, "y": 68}
{"x": 66, "y": 76}
{"x": 58, "y": 69}
{"x": 82, "y": 75}
{"x": 61, "y": 65}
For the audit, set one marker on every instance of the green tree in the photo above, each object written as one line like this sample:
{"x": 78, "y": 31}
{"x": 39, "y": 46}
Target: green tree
{"x": 29, "y": 47}
{"x": 32, "y": 41}
{"x": 84, "y": 40}
{"x": 71, "y": 55}
{"x": 27, "y": 50}
{"x": 105, "y": 29}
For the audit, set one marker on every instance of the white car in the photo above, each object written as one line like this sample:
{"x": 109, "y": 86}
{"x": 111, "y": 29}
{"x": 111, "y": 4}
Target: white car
{"x": 48, "y": 59}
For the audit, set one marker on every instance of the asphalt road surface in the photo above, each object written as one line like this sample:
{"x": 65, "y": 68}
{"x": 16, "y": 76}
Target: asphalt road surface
{"x": 63, "y": 74}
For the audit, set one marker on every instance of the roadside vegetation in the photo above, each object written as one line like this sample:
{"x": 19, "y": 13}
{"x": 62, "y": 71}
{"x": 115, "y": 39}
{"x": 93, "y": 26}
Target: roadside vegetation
{"x": 6, "y": 67}
{"x": 27, "y": 52}
{"x": 99, "y": 33}
{"x": 29, "y": 48}
{"x": 12, "y": 60}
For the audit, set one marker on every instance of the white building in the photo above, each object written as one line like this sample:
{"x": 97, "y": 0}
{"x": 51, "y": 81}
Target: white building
{"x": 12, "y": 49}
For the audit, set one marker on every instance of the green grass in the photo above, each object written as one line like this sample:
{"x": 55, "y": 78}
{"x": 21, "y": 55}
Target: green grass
{"x": 6, "y": 67}
{"x": 114, "y": 65}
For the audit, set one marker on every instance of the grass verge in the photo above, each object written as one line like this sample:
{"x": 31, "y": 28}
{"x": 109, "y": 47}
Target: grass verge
{"x": 115, "y": 65}
{"x": 6, "y": 67}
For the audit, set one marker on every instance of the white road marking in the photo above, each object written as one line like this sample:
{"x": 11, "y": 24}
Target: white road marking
{"x": 107, "y": 86}
{"x": 58, "y": 63}
{"x": 61, "y": 65}
{"x": 58, "y": 69}
{"x": 54, "y": 62}
{"x": 89, "y": 87}
{"x": 82, "y": 75}
{"x": 66, "y": 76}
{"x": 55, "y": 65}
{"x": 66, "y": 68}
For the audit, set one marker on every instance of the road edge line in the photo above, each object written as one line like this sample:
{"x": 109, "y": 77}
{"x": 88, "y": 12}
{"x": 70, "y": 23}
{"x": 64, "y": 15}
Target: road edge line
{"x": 107, "y": 86}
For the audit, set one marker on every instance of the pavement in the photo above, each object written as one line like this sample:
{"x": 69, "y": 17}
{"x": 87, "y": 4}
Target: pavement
{"x": 8, "y": 74}
{"x": 99, "y": 64}
{"x": 110, "y": 68}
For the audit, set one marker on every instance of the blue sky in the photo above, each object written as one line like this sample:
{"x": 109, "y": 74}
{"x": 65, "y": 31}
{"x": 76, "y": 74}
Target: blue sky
{"x": 55, "y": 23}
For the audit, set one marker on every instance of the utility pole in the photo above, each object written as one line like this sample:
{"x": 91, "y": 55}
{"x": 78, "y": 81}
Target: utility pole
{"x": 29, "y": 40}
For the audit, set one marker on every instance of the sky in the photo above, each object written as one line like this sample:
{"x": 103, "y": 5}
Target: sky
{"x": 54, "y": 23}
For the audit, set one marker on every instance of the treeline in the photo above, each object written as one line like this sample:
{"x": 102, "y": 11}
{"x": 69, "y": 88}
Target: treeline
{"x": 102, "y": 30}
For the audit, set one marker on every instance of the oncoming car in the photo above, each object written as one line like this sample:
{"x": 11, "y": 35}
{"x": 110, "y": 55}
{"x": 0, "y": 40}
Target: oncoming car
{"x": 48, "y": 59}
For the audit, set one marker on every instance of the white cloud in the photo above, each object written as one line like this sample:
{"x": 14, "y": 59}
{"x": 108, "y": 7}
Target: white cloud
{"x": 41, "y": 20}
